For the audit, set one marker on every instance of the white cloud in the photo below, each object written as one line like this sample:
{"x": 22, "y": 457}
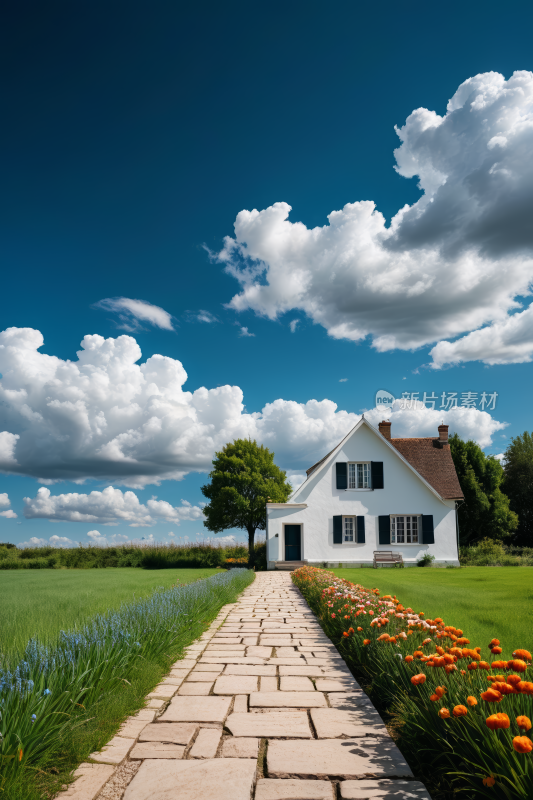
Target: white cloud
{"x": 5, "y": 503}
{"x": 296, "y": 478}
{"x": 53, "y": 541}
{"x": 108, "y": 507}
{"x": 132, "y": 312}
{"x": 205, "y": 316}
{"x": 245, "y": 332}
{"x": 293, "y": 324}
{"x": 507, "y": 342}
{"x": 343, "y": 380}
{"x": 61, "y": 541}
{"x": 457, "y": 259}
{"x": 108, "y": 418}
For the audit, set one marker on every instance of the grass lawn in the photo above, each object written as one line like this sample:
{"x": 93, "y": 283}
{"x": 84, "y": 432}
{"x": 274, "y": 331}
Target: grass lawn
{"x": 486, "y": 602}
{"x": 43, "y": 602}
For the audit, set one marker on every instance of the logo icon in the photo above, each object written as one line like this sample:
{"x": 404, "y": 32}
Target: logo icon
{"x": 384, "y": 401}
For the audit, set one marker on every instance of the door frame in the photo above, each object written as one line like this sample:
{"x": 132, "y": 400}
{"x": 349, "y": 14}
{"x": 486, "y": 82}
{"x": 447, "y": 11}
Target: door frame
{"x": 283, "y": 539}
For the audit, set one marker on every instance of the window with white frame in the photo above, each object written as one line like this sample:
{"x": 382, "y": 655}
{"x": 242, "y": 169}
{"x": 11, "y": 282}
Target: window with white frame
{"x": 404, "y": 529}
{"x": 359, "y": 475}
{"x": 348, "y": 534}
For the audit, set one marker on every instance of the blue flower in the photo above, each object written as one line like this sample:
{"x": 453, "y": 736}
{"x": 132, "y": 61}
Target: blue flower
{"x": 47, "y": 691}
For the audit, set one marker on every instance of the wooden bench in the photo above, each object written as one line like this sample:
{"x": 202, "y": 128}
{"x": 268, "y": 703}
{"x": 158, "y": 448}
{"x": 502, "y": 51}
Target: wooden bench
{"x": 387, "y": 557}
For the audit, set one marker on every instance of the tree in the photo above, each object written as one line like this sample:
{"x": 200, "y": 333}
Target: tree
{"x": 519, "y": 485}
{"x": 485, "y": 512}
{"x": 243, "y": 480}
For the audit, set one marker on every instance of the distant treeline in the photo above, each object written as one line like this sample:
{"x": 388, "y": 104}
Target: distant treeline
{"x": 150, "y": 556}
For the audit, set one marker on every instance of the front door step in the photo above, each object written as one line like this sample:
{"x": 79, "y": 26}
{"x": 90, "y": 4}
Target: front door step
{"x": 290, "y": 565}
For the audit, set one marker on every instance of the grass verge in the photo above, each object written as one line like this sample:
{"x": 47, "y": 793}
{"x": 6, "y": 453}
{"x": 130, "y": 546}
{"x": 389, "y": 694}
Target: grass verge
{"x": 486, "y": 602}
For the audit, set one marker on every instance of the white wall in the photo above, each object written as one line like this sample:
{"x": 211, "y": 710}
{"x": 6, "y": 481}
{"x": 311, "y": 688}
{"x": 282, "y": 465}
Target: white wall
{"x": 403, "y": 493}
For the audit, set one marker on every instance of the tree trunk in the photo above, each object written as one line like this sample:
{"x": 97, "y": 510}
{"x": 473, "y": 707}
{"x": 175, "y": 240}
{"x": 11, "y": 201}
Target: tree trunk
{"x": 251, "y": 551}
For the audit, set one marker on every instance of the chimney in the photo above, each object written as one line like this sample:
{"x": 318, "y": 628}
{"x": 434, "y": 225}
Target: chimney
{"x": 443, "y": 434}
{"x": 384, "y": 428}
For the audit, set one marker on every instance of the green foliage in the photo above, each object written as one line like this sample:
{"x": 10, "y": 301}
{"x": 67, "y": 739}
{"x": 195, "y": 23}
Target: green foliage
{"x": 518, "y": 485}
{"x": 485, "y": 511}
{"x": 244, "y": 478}
{"x": 426, "y": 560}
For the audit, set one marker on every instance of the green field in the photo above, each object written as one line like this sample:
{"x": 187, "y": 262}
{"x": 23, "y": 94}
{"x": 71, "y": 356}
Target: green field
{"x": 486, "y": 602}
{"x": 43, "y": 602}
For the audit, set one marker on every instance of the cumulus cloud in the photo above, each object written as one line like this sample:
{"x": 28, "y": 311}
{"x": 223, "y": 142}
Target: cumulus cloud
{"x": 131, "y": 313}
{"x": 293, "y": 324}
{"x": 456, "y": 260}
{"x": 107, "y": 417}
{"x": 506, "y": 342}
{"x": 245, "y": 332}
{"x": 53, "y": 541}
{"x": 5, "y": 502}
{"x": 108, "y": 507}
{"x": 204, "y": 316}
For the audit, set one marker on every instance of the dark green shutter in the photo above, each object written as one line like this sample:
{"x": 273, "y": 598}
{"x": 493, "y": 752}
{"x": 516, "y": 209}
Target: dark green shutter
{"x": 337, "y": 529}
{"x": 360, "y": 530}
{"x": 376, "y": 468}
{"x": 428, "y": 532}
{"x": 341, "y": 468}
{"x": 384, "y": 530}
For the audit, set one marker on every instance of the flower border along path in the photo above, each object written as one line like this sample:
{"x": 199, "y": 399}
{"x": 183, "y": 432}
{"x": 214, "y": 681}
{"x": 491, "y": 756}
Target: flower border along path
{"x": 262, "y": 706}
{"x": 464, "y": 722}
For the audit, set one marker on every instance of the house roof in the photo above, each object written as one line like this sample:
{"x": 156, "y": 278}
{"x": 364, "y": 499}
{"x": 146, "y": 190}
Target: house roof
{"x": 427, "y": 456}
{"x": 432, "y": 461}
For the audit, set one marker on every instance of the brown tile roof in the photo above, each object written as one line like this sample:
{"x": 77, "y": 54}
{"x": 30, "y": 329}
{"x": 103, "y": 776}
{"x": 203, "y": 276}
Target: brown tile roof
{"x": 318, "y": 463}
{"x": 434, "y": 462}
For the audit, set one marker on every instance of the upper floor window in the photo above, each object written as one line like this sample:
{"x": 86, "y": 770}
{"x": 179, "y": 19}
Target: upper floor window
{"x": 404, "y": 529}
{"x": 359, "y": 475}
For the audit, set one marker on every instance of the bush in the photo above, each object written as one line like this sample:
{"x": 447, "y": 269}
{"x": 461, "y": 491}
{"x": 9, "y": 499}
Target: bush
{"x": 426, "y": 560}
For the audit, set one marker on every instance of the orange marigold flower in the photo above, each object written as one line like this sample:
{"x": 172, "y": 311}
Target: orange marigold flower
{"x": 409, "y": 659}
{"x": 359, "y": 629}
{"x": 351, "y": 630}
{"x": 517, "y": 665}
{"x": 525, "y": 687}
{"x": 420, "y": 678}
{"x": 384, "y": 637}
{"x": 448, "y": 659}
{"x": 449, "y": 668}
{"x": 495, "y": 651}
{"x": 440, "y": 691}
{"x": 489, "y": 781}
{"x": 440, "y": 651}
{"x": 421, "y": 614}
{"x": 502, "y": 687}
{"x": 462, "y": 640}
{"x": 366, "y": 641}
{"x": 418, "y": 654}
{"x": 483, "y": 665}
{"x": 345, "y": 633}
{"x": 494, "y": 642}
{"x": 444, "y": 713}
{"x": 434, "y": 697}
{"x": 437, "y": 620}
{"x": 524, "y": 723}
{"x": 522, "y": 744}
{"x": 496, "y": 721}
{"x": 471, "y": 701}
{"x": 514, "y": 680}
{"x": 473, "y": 665}
{"x": 460, "y": 711}
{"x": 499, "y": 665}
{"x": 491, "y": 696}
{"x": 523, "y": 654}
{"x": 463, "y": 672}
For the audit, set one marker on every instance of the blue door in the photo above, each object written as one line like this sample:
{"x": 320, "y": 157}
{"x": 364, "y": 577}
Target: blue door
{"x": 293, "y": 543}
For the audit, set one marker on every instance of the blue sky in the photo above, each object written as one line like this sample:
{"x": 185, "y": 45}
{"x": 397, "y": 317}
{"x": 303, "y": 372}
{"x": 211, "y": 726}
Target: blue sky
{"x": 133, "y": 136}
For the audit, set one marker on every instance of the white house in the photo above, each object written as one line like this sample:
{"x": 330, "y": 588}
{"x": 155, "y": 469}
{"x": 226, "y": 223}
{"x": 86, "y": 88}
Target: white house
{"x": 372, "y": 492}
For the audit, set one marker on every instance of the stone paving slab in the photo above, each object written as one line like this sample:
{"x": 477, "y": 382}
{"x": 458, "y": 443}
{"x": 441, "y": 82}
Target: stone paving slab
{"x": 206, "y": 744}
{"x": 169, "y": 732}
{"x": 245, "y": 669}
{"x": 90, "y": 778}
{"x": 235, "y": 684}
{"x": 197, "y": 709}
{"x": 282, "y": 724}
{"x": 334, "y": 758}
{"x": 274, "y": 789}
{"x": 334, "y": 723}
{"x": 238, "y": 747}
{"x": 288, "y": 699}
{"x": 383, "y": 790}
{"x": 156, "y": 750}
{"x": 114, "y": 752}
{"x": 213, "y": 779}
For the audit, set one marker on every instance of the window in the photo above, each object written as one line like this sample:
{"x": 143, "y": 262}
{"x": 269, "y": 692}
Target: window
{"x": 404, "y": 529}
{"x": 359, "y": 475}
{"x": 349, "y": 529}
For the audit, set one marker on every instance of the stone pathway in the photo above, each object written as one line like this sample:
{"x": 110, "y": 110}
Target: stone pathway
{"x": 264, "y": 707}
